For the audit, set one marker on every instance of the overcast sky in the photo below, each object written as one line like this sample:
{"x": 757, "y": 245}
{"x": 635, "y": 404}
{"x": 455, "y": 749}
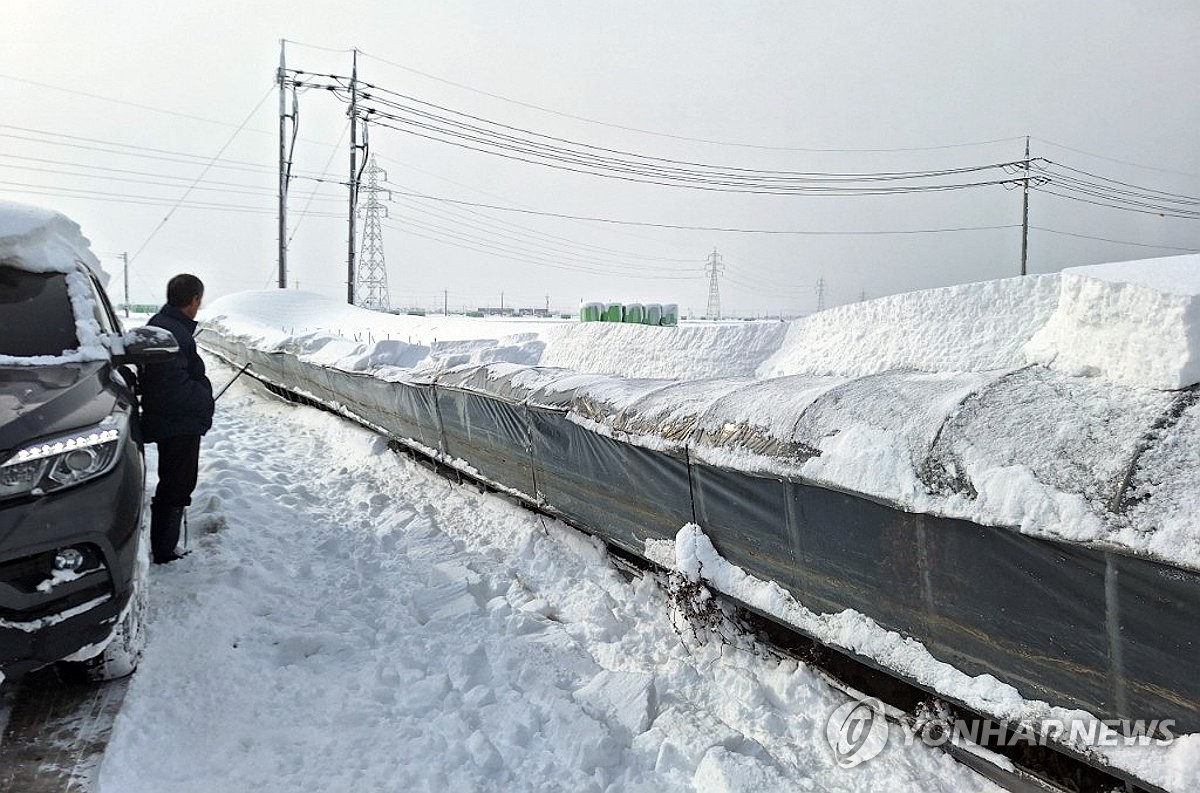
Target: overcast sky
{"x": 1105, "y": 87}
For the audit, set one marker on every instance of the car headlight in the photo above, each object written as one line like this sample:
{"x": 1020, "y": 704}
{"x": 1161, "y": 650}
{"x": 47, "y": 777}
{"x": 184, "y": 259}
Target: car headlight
{"x": 55, "y": 463}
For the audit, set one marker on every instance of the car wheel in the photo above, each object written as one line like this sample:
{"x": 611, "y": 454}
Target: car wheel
{"x": 124, "y": 650}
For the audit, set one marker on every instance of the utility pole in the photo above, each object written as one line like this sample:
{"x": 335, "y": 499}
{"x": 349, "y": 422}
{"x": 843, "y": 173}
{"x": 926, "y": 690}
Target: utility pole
{"x": 350, "y": 275}
{"x": 501, "y": 304}
{"x": 446, "y": 303}
{"x": 713, "y": 267}
{"x": 372, "y": 275}
{"x": 281, "y": 78}
{"x": 821, "y": 293}
{"x": 125, "y": 258}
{"x": 1025, "y": 214}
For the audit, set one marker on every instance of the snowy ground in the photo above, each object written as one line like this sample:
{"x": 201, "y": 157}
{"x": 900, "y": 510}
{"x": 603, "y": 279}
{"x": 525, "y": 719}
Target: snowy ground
{"x": 350, "y": 621}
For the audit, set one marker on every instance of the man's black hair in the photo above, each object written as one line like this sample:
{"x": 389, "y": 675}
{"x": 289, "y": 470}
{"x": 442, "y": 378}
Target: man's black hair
{"x": 182, "y": 289}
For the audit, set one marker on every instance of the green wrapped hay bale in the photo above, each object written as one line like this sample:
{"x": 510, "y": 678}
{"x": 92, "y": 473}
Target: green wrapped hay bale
{"x": 591, "y": 312}
{"x": 670, "y": 314}
{"x": 653, "y": 315}
{"x": 613, "y": 312}
{"x": 634, "y": 313}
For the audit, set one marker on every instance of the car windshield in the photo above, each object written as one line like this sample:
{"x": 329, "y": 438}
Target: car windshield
{"x": 35, "y": 314}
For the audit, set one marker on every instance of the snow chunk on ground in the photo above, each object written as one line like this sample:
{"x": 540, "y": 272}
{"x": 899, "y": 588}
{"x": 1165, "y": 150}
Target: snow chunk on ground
{"x": 971, "y": 327}
{"x": 1136, "y": 322}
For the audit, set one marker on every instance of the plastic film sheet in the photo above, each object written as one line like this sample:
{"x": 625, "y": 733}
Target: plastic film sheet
{"x": 622, "y": 492}
{"x": 491, "y": 434}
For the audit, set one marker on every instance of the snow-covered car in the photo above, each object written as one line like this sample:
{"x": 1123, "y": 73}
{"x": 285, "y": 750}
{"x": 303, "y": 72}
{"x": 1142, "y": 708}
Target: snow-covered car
{"x": 73, "y": 563}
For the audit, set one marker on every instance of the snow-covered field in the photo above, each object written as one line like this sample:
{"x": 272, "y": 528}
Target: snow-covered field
{"x": 351, "y": 621}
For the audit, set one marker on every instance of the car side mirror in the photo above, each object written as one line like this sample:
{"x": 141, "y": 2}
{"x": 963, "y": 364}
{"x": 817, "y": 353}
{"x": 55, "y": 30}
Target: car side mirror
{"x": 147, "y": 344}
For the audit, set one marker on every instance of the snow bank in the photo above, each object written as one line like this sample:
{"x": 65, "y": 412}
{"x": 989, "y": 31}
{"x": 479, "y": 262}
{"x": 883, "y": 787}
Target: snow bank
{"x": 1136, "y": 323}
{"x": 44, "y": 241}
{"x": 335, "y": 334}
{"x": 971, "y": 327}
{"x": 1132, "y": 323}
{"x": 687, "y": 351}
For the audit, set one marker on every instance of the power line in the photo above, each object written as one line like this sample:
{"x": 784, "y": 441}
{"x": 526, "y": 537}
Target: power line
{"x": 187, "y": 192}
{"x": 532, "y": 255}
{"x": 219, "y": 187}
{"x": 1111, "y": 205}
{"x": 466, "y": 242}
{"x": 1118, "y": 242}
{"x": 684, "y": 227}
{"x": 114, "y": 101}
{"x": 669, "y": 136}
{"x": 1113, "y": 159}
{"x": 453, "y": 127}
{"x": 156, "y": 201}
{"x": 482, "y": 222}
{"x": 611, "y": 151}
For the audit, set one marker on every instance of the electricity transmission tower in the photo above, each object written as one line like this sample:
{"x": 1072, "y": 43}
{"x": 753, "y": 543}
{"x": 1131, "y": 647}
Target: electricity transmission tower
{"x": 372, "y": 289}
{"x": 821, "y": 293}
{"x": 713, "y": 267}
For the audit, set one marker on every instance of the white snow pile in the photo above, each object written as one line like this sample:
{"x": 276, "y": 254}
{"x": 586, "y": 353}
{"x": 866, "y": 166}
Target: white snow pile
{"x": 331, "y": 333}
{"x": 1132, "y": 323}
{"x": 1136, "y": 323}
{"x": 967, "y": 328}
{"x": 45, "y": 241}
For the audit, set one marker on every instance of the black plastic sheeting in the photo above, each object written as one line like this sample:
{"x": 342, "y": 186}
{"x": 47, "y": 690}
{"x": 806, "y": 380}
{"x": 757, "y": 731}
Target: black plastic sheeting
{"x": 1074, "y": 625}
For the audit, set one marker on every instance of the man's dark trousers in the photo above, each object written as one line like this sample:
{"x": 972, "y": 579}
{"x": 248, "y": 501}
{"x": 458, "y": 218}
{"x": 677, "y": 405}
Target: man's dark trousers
{"x": 178, "y": 467}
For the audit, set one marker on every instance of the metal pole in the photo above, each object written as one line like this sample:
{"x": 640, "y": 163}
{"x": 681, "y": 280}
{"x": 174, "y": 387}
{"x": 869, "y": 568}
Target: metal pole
{"x": 125, "y": 258}
{"x": 353, "y": 177}
{"x": 283, "y": 179}
{"x": 1025, "y": 214}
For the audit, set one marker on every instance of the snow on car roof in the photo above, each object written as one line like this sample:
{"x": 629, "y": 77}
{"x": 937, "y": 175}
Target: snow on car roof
{"x": 44, "y": 240}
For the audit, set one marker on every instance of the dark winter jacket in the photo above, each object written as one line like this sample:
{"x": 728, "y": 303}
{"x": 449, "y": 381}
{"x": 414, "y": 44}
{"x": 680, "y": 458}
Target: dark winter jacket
{"x": 177, "y": 397}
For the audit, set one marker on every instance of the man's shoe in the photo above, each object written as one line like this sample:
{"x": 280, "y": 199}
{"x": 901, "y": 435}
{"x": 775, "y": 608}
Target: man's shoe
{"x": 171, "y": 556}
{"x": 164, "y": 532}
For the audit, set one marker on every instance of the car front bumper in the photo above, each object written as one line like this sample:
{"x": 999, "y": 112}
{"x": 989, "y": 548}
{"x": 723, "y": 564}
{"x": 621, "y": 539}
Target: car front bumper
{"x": 44, "y": 618}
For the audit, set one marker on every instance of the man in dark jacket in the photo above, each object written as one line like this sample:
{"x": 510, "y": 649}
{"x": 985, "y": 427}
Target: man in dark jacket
{"x": 177, "y": 408}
